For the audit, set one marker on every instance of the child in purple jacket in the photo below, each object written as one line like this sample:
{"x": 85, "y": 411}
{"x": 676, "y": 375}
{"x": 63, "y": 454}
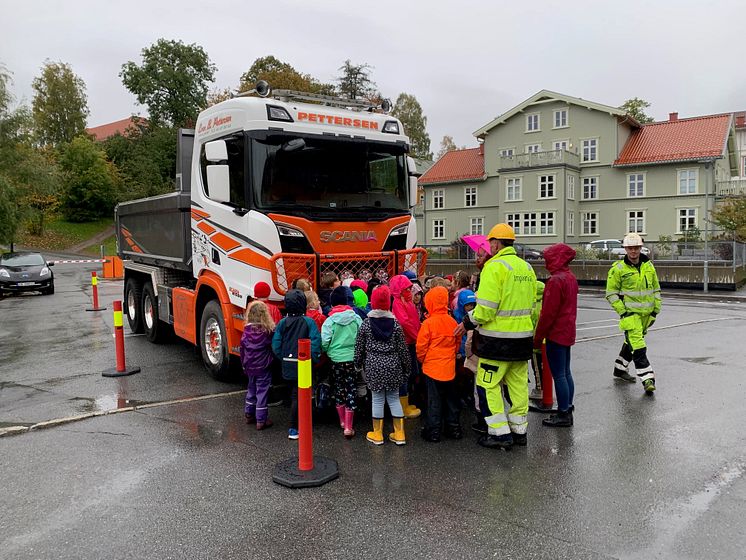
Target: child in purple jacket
{"x": 256, "y": 359}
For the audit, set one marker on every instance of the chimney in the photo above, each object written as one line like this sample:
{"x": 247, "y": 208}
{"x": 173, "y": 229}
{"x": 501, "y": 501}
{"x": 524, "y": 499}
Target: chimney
{"x": 741, "y": 121}
{"x": 481, "y": 149}
{"x": 673, "y": 117}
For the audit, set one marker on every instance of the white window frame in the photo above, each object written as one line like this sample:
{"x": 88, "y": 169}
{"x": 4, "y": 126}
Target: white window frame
{"x": 566, "y": 111}
{"x": 570, "y": 222}
{"x": 558, "y": 145}
{"x": 530, "y": 127}
{"x": 641, "y": 182}
{"x": 507, "y": 152}
{"x": 530, "y": 223}
{"x": 681, "y": 209}
{"x": 743, "y": 166}
{"x": 517, "y": 189}
{"x": 477, "y": 221}
{"x": 643, "y": 217}
{"x": 513, "y": 219}
{"x": 552, "y": 183}
{"x": 582, "y": 194}
{"x": 439, "y": 194}
{"x": 468, "y": 193}
{"x": 687, "y": 170}
{"x": 583, "y": 146}
{"x": 547, "y": 222}
{"x": 570, "y": 187}
{"x": 532, "y": 148}
{"x": 585, "y": 218}
{"x": 441, "y": 224}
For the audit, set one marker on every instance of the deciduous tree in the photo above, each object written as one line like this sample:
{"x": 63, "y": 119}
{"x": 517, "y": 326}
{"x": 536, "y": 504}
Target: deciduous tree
{"x": 446, "y": 145}
{"x": 730, "y": 215}
{"x": 281, "y": 75}
{"x": 91, "y": 182}
{"x": 172, "y": 81}
{"x": 635, "y": 108}
{"x": 60, "y": 105}
{"x": 408, "y": 110}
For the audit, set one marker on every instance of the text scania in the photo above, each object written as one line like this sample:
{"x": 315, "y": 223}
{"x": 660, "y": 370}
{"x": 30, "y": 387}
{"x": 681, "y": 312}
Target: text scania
{"x": 341, "y": 121}
{"x": 341, "y": 236}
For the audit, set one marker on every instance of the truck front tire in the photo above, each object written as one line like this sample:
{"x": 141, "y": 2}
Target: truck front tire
{"x": 133, "y": 305}
{"x": 213, "y": 341}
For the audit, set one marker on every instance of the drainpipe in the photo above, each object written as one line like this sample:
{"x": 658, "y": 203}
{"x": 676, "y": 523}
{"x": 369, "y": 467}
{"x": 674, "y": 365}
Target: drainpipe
{"x": 709, "y": 165}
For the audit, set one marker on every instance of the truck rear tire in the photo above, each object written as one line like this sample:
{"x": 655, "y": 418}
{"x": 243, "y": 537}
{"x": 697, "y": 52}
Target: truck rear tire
{"x": 133, "y": 305}
{"x": 213, "y": 342}
{"x": 156, "y": 331}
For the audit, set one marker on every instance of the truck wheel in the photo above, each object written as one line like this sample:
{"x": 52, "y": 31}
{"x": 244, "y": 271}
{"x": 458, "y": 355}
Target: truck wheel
{"x": 155, "y": 329}
{"x": 213, "y": 341}
{"x": 133, "y": 305}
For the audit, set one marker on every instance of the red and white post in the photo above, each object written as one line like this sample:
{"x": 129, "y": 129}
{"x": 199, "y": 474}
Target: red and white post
{"x": 94, "y": 285}
{"x": 121, "y": 367}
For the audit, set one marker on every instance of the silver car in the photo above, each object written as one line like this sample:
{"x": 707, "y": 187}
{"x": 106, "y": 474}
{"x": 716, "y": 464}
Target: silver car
{"x": 611, "y": 247}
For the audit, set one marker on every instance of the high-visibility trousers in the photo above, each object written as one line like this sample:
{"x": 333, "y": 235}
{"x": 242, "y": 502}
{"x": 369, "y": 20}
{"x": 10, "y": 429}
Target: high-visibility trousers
{"x": 490, "y": 373}
{"x": 634, "y": 349}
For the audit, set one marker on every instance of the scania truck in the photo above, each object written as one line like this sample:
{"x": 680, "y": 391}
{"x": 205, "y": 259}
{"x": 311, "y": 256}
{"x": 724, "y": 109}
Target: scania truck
{"x": 271, "y": 187}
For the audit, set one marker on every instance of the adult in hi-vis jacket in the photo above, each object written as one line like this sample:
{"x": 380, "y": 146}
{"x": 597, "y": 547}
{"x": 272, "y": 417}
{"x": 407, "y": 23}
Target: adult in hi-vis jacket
{"x": 503, "y": 339}
{"x": 633, "y": 291}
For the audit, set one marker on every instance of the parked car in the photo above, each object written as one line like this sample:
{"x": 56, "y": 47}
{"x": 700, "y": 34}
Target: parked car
{"x": 526, "y": 252}
{"x": 25, "y": 272}
{"x": 611, "y": 247}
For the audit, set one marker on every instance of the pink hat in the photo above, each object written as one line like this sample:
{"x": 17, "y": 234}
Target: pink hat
{"x": 359, "y": 284}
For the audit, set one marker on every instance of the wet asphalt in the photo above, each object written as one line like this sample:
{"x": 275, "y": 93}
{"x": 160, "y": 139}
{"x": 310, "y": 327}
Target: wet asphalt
{"x": 636, "y": 477}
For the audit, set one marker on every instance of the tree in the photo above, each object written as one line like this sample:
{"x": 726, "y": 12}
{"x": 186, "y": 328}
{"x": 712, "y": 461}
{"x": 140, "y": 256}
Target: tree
{"x": 172, "y": 81}
{"x": 408, "y": 110}
{"x": 355, "y": 81}
{"x": 730, "y": 215}
{"x": 60, "y": 104}
{"x": 635, "y": 108}
{"x": 446, "y": 145}
{"x": 10, "y": 218}
{"x": 281, "y": 75}
{"x": 91, "y": 182}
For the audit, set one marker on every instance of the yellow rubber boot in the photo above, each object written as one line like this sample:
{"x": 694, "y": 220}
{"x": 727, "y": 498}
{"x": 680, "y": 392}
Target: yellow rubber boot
{"x": 376, "y": 436}
{"x": 398, "y": 436}
{"x": 410, "y": 410}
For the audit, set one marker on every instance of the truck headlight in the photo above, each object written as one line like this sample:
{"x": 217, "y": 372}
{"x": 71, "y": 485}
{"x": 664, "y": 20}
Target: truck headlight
{"x": 400, "y": 230}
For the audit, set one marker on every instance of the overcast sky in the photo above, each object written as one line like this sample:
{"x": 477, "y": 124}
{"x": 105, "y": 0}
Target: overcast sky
{"x": 466, "y": 61}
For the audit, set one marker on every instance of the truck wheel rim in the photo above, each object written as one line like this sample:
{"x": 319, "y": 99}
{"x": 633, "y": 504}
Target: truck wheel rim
{"x": 131, "y": 309}
{"x": 148, "y": 312}
{"x": 213, "y": 341}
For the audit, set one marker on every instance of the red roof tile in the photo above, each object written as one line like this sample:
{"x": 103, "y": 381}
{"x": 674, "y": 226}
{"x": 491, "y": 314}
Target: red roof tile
{"x": 104, "y": 131}
{"x": 456, "y": 165}
{"x": 679, "y": 140}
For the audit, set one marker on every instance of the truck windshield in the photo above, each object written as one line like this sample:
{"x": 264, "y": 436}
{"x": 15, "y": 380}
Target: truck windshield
{"x": 328, "y": 173}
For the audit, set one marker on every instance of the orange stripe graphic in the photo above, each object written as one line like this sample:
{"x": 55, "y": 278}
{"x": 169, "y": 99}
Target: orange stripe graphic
{"x": 247, "y": 256}
{"x": 224, "y": 242}
{"x": 205, "y": 227}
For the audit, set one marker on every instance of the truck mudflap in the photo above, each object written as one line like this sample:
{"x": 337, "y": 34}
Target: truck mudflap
{"x": 286, "y": 267}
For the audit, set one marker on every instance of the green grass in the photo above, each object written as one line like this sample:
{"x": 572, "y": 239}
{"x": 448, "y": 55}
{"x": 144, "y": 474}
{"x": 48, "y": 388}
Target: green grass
{"x": 110, "y": 247}
{"x": 60, "y": 234}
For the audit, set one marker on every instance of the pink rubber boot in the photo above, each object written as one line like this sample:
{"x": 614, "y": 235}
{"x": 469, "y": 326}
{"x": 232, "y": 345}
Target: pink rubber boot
{"x": 341, "y": 414}
{"x": 349, "y": 418}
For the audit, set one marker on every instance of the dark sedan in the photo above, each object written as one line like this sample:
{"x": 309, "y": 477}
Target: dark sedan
{"x": 25, "y": 272}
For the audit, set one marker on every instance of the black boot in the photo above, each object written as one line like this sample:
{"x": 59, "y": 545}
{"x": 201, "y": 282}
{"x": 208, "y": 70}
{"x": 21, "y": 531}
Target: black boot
{"x": 559, "y": 420}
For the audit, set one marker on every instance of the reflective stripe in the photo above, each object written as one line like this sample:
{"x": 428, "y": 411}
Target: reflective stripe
{"x": 639, "y": 304}
{"x": 514, "y": 313}
{"x": 506, "y": 263}
{"x": 518, "y": 424}
{"x": 118, "y": 319}
{"x": 622, "y": 362}
{"x": 496, "y": 419}
{"x": 487, "y": 303}
{"x": 94, "y": 280}
{"x": 304, "y": 374}
{"x": 493, "y": 334}
{"x": 641, "y": 293}
{"x": 612, "y": 297}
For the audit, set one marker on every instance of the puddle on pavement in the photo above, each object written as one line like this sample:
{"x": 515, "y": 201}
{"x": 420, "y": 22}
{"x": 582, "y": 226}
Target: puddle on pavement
{"x": 704, "y": 360}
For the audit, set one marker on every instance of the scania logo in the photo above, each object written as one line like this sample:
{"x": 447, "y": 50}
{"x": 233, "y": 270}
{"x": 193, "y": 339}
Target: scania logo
{"x": 339, "y": 236}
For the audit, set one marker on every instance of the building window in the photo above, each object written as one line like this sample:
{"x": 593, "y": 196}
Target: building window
{"x": 560, "y": 118}
{"x": 688, "y": 181}
{"x": 590, "y": 149}
{"x": 590, "y": 188}
{"x": 570, "y": 223}
{"x": 528, "y": 227}
{"x": 546, "y": 223}
{"x": 590, "y": 223}
{"x": 476, "y": 226}
{"x": 635, "y": 184}
{"x": 560, "y": 145}
{"x": 546, "y": 186}
{"x": 513, "y": 190}
{"x": 439, "y": 196}
{"x": 507, "y": 152}
{"x": 687, "y": 219}
{"x": 470, "y": 196}
{"x": 532, "y": 122}
{"x": 514, "y": 221}
{"x": 571, "y": 187}
{"x": 533, "y": 148}
{"x": 636, "y": 221}
{"x": 439, "y": 229}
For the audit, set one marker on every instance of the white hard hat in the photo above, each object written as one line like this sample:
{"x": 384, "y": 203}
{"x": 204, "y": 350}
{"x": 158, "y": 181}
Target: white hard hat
{"x": 632, "y": 240}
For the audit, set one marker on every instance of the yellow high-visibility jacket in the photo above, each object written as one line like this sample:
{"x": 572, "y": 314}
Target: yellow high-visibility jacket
{"x": 634, "y": 289}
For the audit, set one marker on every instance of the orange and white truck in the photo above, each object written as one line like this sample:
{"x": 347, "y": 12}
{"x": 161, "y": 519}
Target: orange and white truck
{"x": 270, "y": 187}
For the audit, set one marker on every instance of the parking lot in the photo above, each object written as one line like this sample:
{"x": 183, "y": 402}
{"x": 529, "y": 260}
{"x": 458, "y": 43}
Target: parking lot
{"x": 636, "y": 477}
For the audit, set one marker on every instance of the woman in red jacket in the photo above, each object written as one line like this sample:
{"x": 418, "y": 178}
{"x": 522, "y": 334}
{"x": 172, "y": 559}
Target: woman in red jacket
{"x": 557, "y": 325}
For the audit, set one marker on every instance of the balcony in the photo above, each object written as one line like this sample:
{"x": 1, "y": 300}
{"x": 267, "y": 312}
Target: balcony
{"x": 734, "y": 187}
{"x": 538, "y": 159}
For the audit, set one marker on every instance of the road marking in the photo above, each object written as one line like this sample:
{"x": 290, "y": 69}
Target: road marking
{"x": 14, "y": 430}
{"x": 589, "y": 339}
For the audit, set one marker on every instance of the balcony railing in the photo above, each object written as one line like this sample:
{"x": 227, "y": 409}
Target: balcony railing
{"x": 734, "y": 187}
{"x": 539, "y": 159}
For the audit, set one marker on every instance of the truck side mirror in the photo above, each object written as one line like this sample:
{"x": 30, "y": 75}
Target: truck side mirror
{"x": 218, "y": 183}
{"x": 216, "y": 151}
{"x": 413, "y": 192}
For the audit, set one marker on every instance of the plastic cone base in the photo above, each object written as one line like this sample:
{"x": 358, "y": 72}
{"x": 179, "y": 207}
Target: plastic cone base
{"x": 288, "y": 474}
{"x": 112, "y": 372}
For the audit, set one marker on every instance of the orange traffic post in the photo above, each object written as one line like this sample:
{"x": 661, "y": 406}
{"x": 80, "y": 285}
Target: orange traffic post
{"x": 547, "y": 386}
{"x": 308, "y": 471}
{"x": 94, "y": 285}
{"x": 121, "y": 367}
